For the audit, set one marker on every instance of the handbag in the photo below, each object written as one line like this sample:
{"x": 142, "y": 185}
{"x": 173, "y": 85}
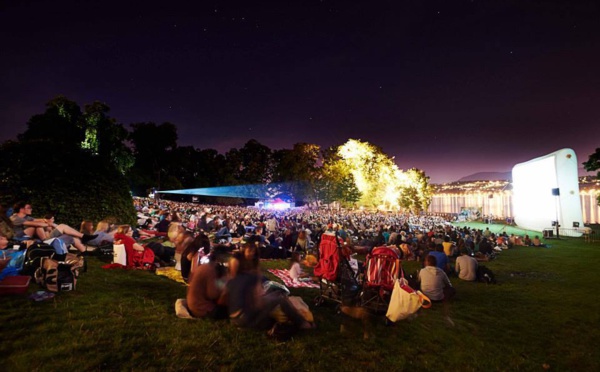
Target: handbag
{"x": 405, "y": 301}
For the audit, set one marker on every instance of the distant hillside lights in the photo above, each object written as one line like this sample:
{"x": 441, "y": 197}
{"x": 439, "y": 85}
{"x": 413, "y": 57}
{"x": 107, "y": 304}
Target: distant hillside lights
{"x": 495, "y": 198}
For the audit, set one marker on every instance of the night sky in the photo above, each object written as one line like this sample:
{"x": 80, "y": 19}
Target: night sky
{"x": 450, "y": 87}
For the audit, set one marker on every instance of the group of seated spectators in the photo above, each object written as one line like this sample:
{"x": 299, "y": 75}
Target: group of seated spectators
{"x": 283, "y": 234}
{"x": 198, "y": 239}
{"x": 236, "y": 291}
{"x": 20, "y": 226}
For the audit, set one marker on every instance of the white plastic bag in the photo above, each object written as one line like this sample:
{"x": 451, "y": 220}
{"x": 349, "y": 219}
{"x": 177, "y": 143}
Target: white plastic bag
{"x": 119, "y": 254}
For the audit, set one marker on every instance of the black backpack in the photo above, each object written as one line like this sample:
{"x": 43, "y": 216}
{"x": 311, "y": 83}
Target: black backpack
{"x": 485, "y": 275}
{"x": 34, "y": 255}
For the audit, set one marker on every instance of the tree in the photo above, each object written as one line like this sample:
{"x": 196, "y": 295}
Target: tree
{"x": 151, "y": 146}
{"x": 593, "y": 164}
{"x": 105, "y": 138}
{"x": 295, "y": 170}
{"x": 51, "y": 166}
{"x": 69, "y": 182}
{"x": 416, "y": 193}
{"x": 374, "y": 172}
{"x": 252, "y": 163}
{"x": 59, "y": 124}
{"x": 251, "y": 166}
{"x": 377, "y": 178}
{"x": 336, "y": 181}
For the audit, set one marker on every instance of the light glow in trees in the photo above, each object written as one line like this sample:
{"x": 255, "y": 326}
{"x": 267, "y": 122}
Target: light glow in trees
{"x": 381, "y": 183}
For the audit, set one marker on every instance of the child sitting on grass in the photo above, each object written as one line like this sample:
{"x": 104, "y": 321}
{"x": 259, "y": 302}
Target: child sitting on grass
{"x": 295, "y": 271}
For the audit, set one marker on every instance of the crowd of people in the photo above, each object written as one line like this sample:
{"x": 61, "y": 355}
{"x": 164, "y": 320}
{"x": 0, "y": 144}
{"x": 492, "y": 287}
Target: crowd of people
{"x": 217, "y": 248}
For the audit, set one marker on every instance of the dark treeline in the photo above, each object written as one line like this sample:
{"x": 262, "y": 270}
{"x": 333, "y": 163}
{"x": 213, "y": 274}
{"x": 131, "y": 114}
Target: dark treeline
{"x": 82, "y": 163}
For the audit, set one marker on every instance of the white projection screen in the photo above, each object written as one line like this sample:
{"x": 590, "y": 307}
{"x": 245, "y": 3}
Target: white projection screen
{"x": 535, "y": 185}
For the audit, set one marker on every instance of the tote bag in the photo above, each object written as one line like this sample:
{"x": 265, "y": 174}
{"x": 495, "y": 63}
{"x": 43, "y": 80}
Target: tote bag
{"x": 119, "y": 254}
{"x": 405, "y": 301}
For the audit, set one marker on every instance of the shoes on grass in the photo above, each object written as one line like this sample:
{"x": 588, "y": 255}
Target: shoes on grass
{"x": 41, "y": 296}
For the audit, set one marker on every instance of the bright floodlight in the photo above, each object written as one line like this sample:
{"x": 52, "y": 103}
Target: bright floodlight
{"x": 546, "y": 189}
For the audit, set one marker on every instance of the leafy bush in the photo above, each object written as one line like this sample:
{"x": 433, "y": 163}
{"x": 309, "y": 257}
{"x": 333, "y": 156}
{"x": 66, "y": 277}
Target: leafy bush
{"x": 69, "y": 182}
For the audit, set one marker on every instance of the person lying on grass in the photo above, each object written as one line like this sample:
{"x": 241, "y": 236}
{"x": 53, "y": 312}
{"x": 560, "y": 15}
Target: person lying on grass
{"x": 26, "y": 227}
{"x": 105, "y": 235}
{"x": 249, "y": 306}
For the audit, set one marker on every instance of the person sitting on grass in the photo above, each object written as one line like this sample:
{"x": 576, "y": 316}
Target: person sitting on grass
{"x": 182, "y": 241}
{"x": 448, "y": 246}
{"x": 133, "y": 250}
{"x": 192, "y": 254}
{"x": 536, "y": 242}
{"x": 466, "y": 266}
{"x": 3, "y": 245}
{"x": 6, "y": 225}
{"x": 434, "y": 281}
{"x": 485, "y": 247}
{"x": 295, "y": 270}
{"x": 206, "y": 293}
{"x": 249, "y": 306}
{"x": 440, "y": 258}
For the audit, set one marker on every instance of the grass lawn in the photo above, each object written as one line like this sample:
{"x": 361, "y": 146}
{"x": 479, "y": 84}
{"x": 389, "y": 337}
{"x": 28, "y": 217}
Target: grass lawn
{"x": 543, "y": 313}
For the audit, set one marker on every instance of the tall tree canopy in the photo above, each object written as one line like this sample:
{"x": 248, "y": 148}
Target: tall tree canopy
{"x": 296, "y": 170}
{"x": 60, "y": 167}
{"x": 152, "y": 144}
{"x": 89, "y": 146}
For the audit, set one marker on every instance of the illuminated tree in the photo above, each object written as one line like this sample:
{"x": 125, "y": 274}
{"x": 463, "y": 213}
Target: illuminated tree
{"x": 593, "y": 164}
{"x": 380, "y": 182}
{"x": 336, "y": 182}
{"x": 375, "y": 174}
{"x": 105, "y": 138}
{"x": 416, "y": 192}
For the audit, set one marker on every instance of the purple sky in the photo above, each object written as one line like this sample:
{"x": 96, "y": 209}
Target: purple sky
{"x": 450, "y": 87}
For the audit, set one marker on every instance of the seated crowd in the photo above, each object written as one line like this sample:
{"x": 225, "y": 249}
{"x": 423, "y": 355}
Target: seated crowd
{"x": 287, "y": 234}
{"x": 217, "y": 248}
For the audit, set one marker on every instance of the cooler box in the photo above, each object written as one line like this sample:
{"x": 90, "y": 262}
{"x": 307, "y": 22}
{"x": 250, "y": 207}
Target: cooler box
{"x": 14, "y": 284}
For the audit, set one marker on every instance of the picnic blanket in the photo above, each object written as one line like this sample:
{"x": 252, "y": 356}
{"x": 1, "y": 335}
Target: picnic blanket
{"x": 171, "y": 273}
{"x": 285, "y": 276}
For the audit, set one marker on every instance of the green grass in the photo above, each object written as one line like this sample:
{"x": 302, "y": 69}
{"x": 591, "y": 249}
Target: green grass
{"x": 545, "y": 310}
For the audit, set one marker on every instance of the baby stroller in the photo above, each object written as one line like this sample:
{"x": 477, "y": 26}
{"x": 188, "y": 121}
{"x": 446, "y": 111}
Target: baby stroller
{"x": 337, "y": 280}
{"x": 383, "y": 266}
